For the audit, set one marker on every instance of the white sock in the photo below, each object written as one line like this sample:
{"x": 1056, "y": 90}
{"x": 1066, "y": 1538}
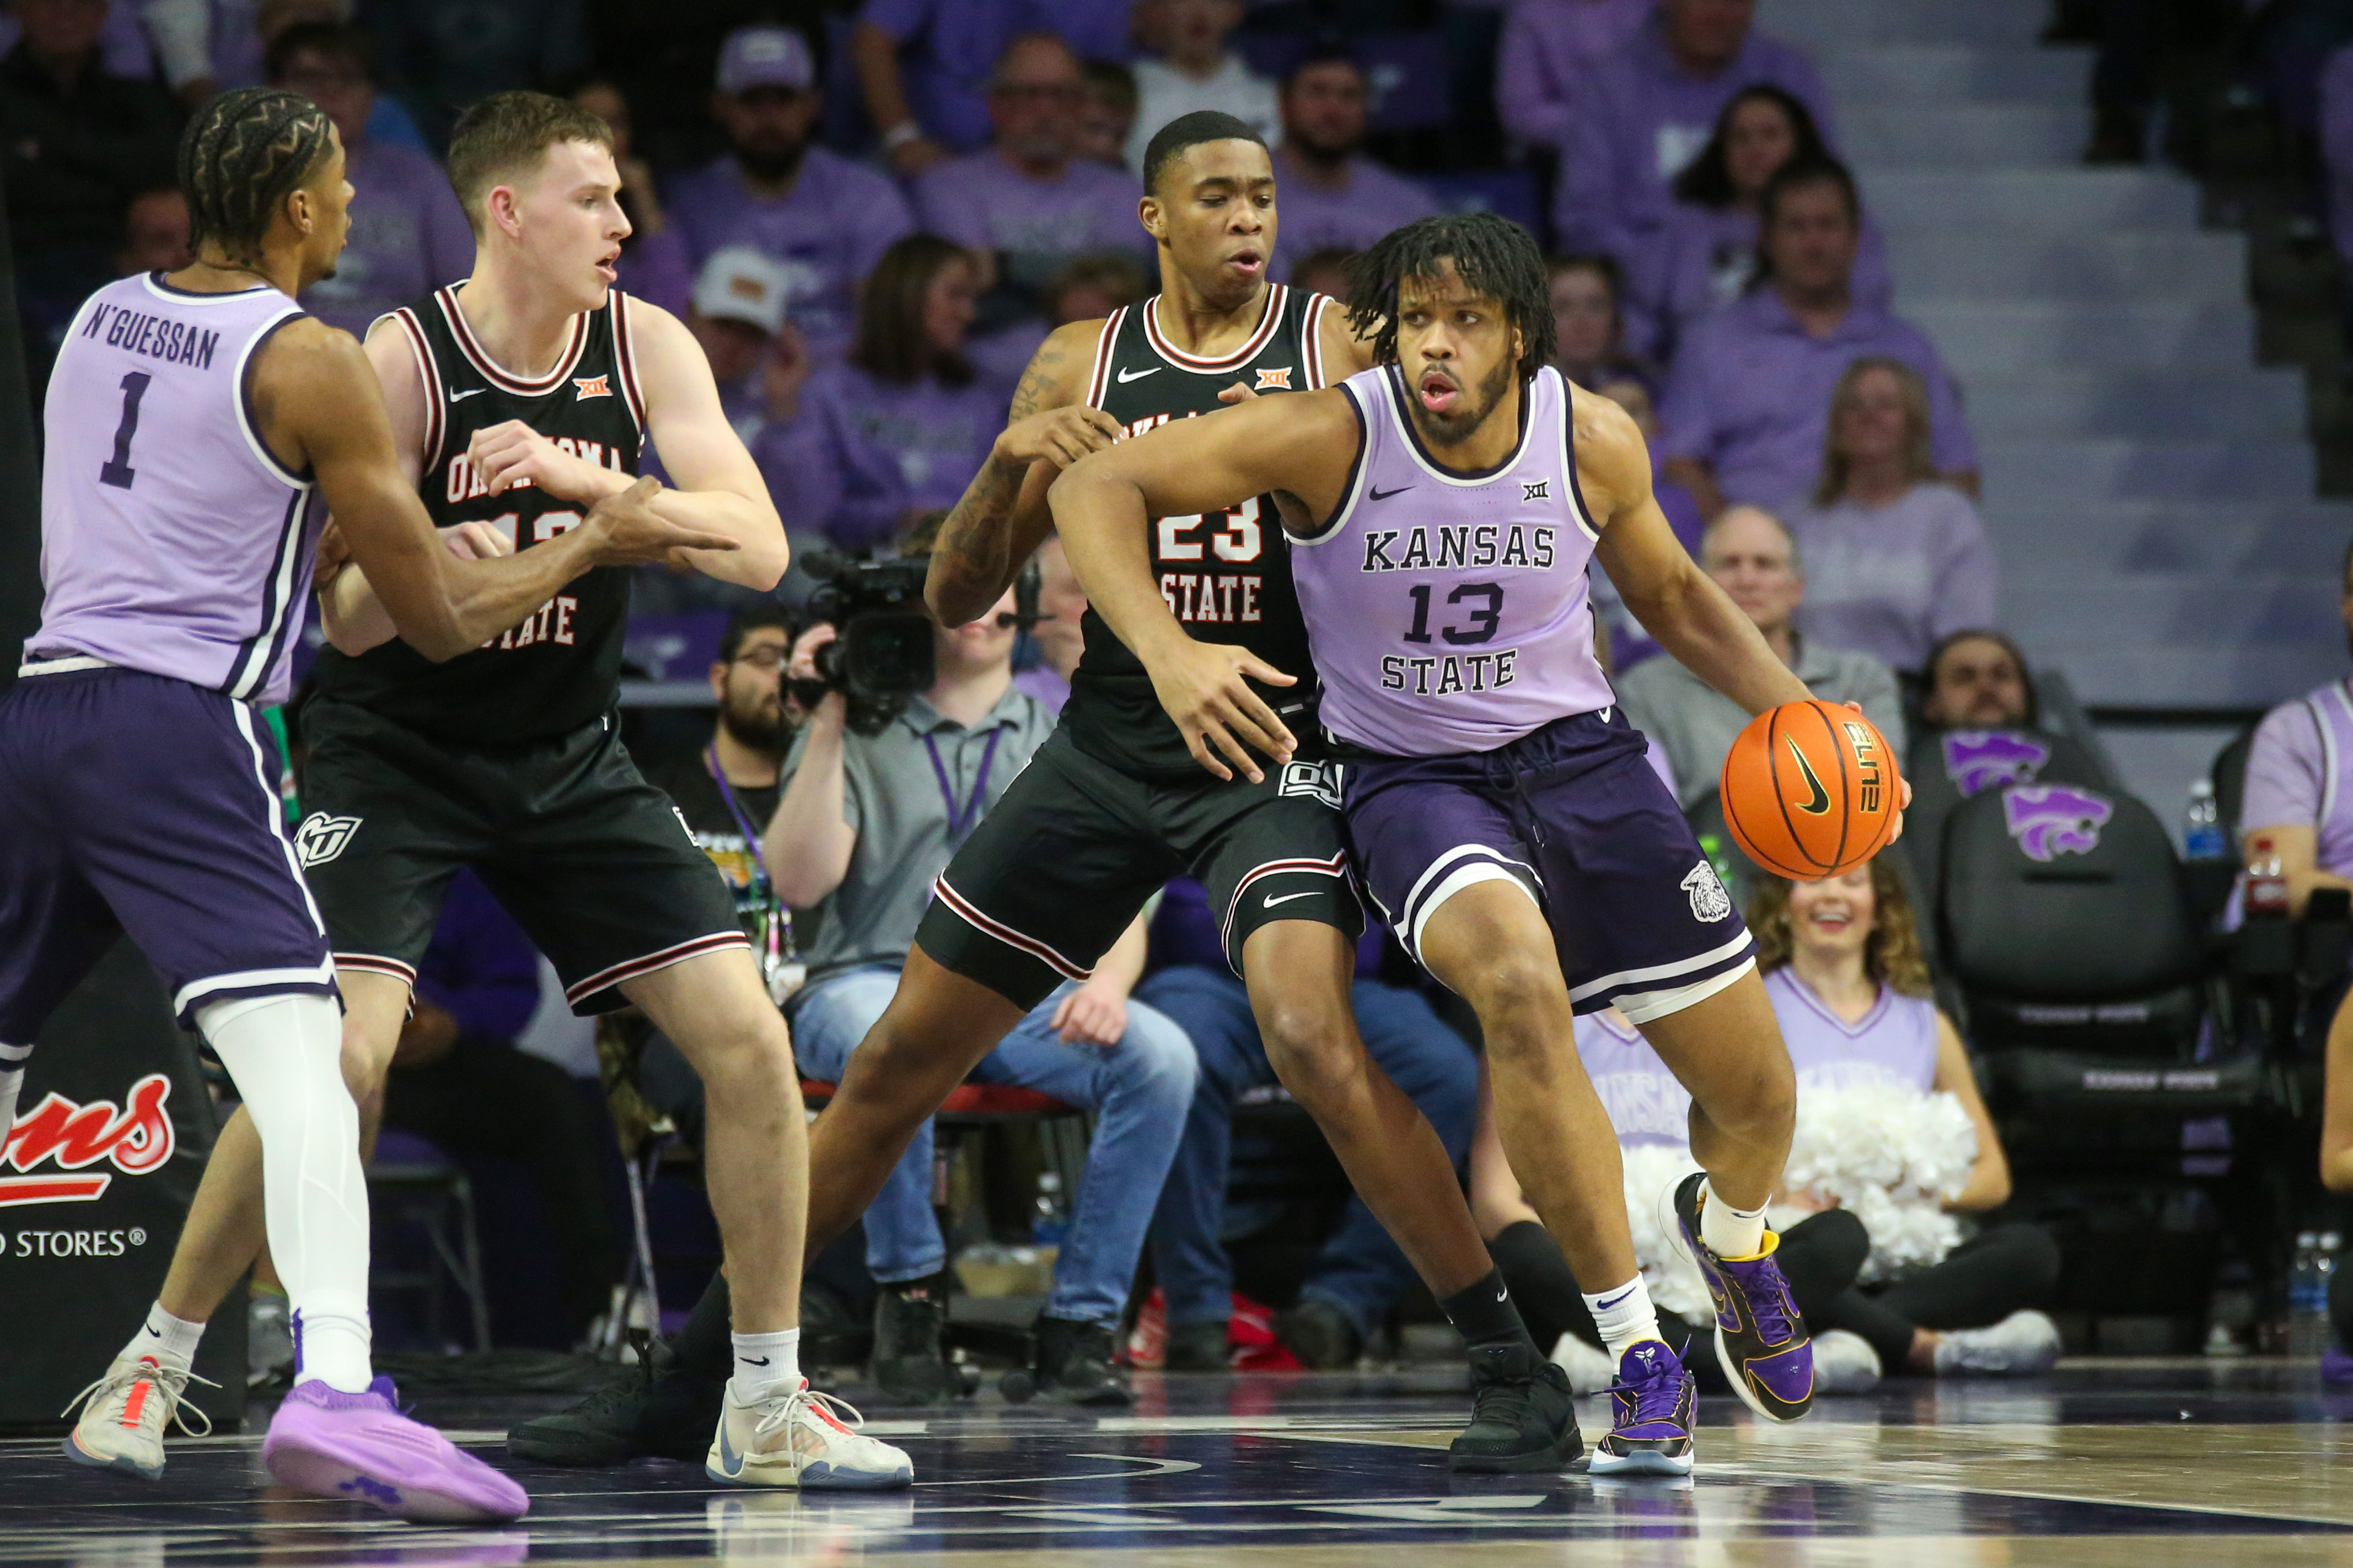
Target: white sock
{"x": 168, "y": 1339}
{"x": 283, "y": 1052}
{"x": 1727, "y": 1231}
{"x": 12, "y": 1078}
{"x": 1624, "y": 1316}
{"x": 765, "y": 1366}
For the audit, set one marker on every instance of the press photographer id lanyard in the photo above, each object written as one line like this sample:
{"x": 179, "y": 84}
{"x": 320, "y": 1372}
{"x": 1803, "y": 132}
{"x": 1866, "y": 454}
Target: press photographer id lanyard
{"x": 780, "y": 966}
{"x": 963, "y": 819}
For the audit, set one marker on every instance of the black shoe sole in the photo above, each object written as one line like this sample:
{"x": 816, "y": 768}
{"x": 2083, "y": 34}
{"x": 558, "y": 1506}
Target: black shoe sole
{"x": 1558, "y": 1457}
{"x": 571, "y": 1452}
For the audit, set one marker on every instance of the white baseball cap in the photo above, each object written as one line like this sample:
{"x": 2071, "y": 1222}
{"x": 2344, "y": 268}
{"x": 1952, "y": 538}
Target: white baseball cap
{"x": 741, "y": 284}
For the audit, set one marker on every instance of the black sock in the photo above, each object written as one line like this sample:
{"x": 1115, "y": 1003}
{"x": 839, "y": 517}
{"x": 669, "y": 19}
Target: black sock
{"x": 703, "y": 1347}
{"x": 1484, "y": 1315}
{"x": 1541, "y": 1283}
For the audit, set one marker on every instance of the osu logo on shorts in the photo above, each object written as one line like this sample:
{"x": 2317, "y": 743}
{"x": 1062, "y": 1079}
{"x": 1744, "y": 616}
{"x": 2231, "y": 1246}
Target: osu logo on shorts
{"x": 1313, "y": 779}
{"x": 322, "y": 837}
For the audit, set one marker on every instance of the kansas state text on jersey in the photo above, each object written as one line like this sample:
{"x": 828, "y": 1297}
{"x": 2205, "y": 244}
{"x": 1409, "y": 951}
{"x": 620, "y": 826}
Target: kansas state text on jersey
{"x": 1449, "y": 611}
{"x": 171, "y": 540}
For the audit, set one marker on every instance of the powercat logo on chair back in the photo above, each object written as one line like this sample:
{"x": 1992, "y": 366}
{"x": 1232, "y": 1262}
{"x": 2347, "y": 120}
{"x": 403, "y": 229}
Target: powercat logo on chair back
{"x": 2051, "y": 820}
{"x": 135, "y": 1138}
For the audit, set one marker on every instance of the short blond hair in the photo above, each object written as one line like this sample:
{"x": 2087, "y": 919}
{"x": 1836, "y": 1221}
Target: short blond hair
{"x": 1919, "y": 459}
{"x": 506, "y": 135}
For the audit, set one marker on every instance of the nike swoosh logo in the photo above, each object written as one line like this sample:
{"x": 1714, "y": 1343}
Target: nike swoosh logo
{"x": 456, "y": 396}
{"x": 151, "y": 1331}
{"x": 1618, "y": 1297}
{"x": 727, "y": 1461}
{"x": 1820, "y": 802}
{"x": 1377, "y": 493}
{"x": 1607, "y": 711}
{"x": 1127, "y": 375}
{"x": 1502, "y": 1293}
{"x": 747, "y": 1361}
{"x": 1286, "y": 898}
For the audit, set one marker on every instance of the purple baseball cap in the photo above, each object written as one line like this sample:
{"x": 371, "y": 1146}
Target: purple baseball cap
{"x": 766, "y": 57}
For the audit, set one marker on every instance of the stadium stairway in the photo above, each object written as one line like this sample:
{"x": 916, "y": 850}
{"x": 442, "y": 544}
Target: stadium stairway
{"x": 2150, "y": 488}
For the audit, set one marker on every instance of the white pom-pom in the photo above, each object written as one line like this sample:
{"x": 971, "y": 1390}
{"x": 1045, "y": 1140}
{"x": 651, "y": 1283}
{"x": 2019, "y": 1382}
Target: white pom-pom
{"x": 1892, "y": 1156}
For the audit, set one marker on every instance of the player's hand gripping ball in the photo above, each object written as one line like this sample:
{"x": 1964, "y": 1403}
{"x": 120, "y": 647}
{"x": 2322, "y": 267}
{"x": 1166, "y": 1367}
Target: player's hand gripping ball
{"x": 1810, "y": 790}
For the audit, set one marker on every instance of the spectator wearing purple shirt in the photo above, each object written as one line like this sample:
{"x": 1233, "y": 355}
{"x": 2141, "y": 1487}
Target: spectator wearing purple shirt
{"x": 1746, "y": 408}
{"x": 923, "y": 67}
{"x": 458, "y": 1080}
{"x": 2297, "y": 805}
{"x": 1895, "y": 560}
{"x": 408, "y": 235}
{"x": 1192, "y": 69}
{"x": 1548, "y": 46}
{"x": 1023, "y": 205}
{"x": 1706, "y": 256}
{"x": 1644, "y": 113}
{"x": 207, "y": 47}
{"x": 827, "y": 219}
{"x": 901, "y": 429}
{"x": 1330, "y": 197}
{"x": 1589, "y": 320}
{"x": 654, "y": 265}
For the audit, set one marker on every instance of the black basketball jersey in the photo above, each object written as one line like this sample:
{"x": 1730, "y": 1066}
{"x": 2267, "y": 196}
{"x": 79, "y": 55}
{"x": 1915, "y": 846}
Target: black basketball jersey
{"x": 560, "y": 667}
{"x": 1225, "y": 575}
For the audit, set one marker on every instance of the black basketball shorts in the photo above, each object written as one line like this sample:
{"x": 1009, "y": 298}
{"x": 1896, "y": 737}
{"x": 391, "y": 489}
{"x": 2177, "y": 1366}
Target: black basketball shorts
{"x": 1054, "y": 874}
{"x": 593, "y": 862}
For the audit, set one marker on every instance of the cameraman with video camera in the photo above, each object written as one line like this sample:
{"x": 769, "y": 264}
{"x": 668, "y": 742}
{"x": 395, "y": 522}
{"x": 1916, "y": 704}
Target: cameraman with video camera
{"x": 882, "y": 783}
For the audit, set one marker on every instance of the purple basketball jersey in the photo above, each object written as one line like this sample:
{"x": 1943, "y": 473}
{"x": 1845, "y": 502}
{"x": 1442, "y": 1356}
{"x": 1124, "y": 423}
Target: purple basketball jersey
{"x": 1894, "y": 1044}
{"x": 171, "y": 540}
{"x": 1449, "y": 611}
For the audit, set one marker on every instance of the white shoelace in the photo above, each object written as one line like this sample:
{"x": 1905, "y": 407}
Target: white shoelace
{"x": 173, "y": 1379}
{"x": 815, "y": 1400}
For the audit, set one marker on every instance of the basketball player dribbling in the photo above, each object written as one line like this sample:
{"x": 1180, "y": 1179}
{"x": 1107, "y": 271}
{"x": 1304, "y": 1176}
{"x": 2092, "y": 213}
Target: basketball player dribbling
{"x": 1441, "y": 508}
{"x": 519, "y": 399}
{"x": 198, "y": 425}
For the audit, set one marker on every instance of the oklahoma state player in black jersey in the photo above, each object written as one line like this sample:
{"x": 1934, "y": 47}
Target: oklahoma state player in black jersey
{"x": 519, "y": 398}
{"x": 1115, "y": 805}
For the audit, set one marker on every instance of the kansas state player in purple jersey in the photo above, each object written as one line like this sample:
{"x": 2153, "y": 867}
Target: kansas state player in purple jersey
{"x": 198, "y": 424}
{"x": 1442, "y": 509}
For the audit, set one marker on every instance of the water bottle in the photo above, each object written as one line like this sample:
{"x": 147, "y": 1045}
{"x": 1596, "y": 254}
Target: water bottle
{"x": 2201, "y": 825}
{"x": 2307, "y": 1298}
{"x": 1050, "y": 1220}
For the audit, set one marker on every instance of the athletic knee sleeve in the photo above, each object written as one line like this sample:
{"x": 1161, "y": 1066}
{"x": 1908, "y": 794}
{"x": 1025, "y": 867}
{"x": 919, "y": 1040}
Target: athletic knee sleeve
{"x": 283, "y": 1053}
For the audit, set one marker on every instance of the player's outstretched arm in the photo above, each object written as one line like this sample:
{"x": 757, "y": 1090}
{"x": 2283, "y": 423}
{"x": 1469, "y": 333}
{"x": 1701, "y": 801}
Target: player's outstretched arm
{"x": 320, "y": 407}
{"x": 1677, "y": 603}
{"x": 1301, "y": 443}
{"x": 1001, "y": 518}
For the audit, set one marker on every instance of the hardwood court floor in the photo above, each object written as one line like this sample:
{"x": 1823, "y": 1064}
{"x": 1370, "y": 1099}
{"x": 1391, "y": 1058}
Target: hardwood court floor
{"x": 2132, "y": 1464}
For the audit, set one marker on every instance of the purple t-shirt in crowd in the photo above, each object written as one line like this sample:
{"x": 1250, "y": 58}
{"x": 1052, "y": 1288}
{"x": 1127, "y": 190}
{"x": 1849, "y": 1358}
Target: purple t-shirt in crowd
{"x": 655, "y": 267}
{"x": 1704, "y": 258}
{"x": 1548, "y": 46}
{"x": 408, "y": 238}
{"x": 2296, "y": 773}
{"x": 1750, "y": 395}
{"x": 983, "y": 203}
{"x": 1640, "y": 119}
{"x": 829, "y": 230}
{"x": 1894, "y": 1044}
{"x": 1892, "y": 580}
{"x": 1044, "y": 683}
{"x": 946, "y": 50}
{"x": 1309, "y": 217}
{"x": 480, "y": 967}
{"x": 866, "y": 451}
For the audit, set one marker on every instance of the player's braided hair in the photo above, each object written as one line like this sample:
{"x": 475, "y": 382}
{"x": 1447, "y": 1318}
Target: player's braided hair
{"x": 1492, "y": 255}
{"x": 240, "y": 157}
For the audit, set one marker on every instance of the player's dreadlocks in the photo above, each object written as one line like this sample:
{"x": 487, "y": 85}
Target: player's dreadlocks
{"x": 1492, "y": 256}
{"x": 241, "y": 156}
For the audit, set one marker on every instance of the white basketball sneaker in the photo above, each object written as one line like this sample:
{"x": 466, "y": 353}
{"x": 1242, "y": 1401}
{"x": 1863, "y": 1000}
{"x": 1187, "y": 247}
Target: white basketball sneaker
{"x": 2024, "y": 1344}
{"x": 125, "y": 1413}
{"x": 795, "y": 1439}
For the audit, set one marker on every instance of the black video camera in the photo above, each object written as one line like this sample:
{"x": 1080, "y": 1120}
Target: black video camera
{"x": 883, "y": 654}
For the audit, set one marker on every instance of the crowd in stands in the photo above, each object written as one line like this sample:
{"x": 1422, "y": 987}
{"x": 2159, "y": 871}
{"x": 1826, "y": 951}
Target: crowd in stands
{"x": 870, "y": 215}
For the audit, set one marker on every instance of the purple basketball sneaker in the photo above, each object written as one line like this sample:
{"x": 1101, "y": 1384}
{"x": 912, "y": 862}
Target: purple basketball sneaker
{"x": 359, "y": 1446}
{"x": 1760, "y": 1341}
{"x": 1652, "y": 1406}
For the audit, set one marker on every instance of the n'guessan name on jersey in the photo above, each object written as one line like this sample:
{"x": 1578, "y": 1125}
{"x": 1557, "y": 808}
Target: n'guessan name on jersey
{"x": 552, "y": 621}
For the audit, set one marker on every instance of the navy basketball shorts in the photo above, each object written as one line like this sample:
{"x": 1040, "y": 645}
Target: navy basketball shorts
{"x": 1574, "y": 814}
{"x": 139, "y": 803}
{"x": 592, "y": 861}
{"x": 1072, "y": 849}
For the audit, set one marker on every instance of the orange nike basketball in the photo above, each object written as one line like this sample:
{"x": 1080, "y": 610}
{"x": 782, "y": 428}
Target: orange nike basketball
{"x": 1810, "y": 790}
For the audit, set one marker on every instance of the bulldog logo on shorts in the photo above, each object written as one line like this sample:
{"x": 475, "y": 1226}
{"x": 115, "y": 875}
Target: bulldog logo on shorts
{"x": 322, "y": 837}
{"x": 1709, "y": 901}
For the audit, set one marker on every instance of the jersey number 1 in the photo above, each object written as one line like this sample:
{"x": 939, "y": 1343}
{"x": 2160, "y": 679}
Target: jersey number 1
{"x": 117, "y": 470}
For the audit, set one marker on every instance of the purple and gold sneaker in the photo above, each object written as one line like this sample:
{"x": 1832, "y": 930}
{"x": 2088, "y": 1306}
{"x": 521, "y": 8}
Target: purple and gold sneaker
{"x": 360, "y": 1447}
{"x": 1760, "y": 1340}
{"x": 1652, "y": 1406}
